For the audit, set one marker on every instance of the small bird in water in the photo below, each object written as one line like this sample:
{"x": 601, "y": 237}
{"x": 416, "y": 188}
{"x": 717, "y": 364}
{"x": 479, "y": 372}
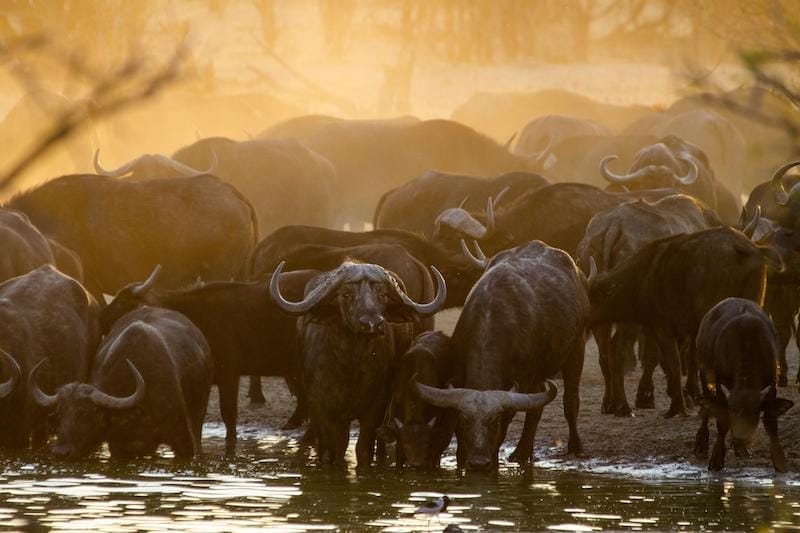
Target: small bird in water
{"x": 433, "y": 508}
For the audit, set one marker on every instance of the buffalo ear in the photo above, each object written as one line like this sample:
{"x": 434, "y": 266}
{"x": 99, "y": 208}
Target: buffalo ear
{"x": 713, "y": 407}
{"x": 782, "y": 405}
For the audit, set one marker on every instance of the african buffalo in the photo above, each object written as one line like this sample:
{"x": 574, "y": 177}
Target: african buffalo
{"x": 459, "y": 273}
{"x": 371, "y": 157}
{"x": 349, "y": 351}
{"x": 23, "y": 246}
{"x": 673, "y": 162}
{"x": 418, "y": 428}
{"x": 149, "y": 385}
{"x": 576, "y": 159}
{"x": 247, "y": 333}
{"x": 393, "y": 257}
{"x": 196, "y": 226}
{"x": 555, "y": 214}
{"x": 151, "y": 166}
{"x": 737, "y": 348}
{"x": 613, "y": 236}
{"x": 778, "y": 198}
{"x": 715, "y": 135}
{"x": 46, "y": 316}
{"x": 523, "y": 322}
{"x": 284, "y": 181}
{"x": 415, "y": 205}
{"x": 668, "y": 285}
{"x": 541, "y": 134}
{"x": 502, "y": 114}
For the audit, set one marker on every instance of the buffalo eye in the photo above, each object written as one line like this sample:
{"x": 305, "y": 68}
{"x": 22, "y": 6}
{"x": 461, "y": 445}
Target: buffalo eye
{"x": 347, "y": 294}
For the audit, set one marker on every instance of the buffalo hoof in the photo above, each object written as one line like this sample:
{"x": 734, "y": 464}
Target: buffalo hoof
{"x": 742, "y": 451}
{"x": 676, "y": 411}
{"x": 521, "y": 456}
{"x": 645, "y": 400}
{"x": 701, "y": 448}
{"x": 717, "y": 461}
{"x": 624, "y": 411}
{"x": 294, "y": 422}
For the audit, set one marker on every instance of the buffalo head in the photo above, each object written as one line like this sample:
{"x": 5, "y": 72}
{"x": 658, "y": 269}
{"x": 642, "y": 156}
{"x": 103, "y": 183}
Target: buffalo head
{"x": 480, "y": 430}
{"x": 655, "y": 167}
{"x": 81, "y": 409}
{"x": 457, "y": 223}
{"x": 742, "y": 407}
{"x": 129, "y": 298}
{"x": 149, "y": 166}
{"x": 361, "y": 295}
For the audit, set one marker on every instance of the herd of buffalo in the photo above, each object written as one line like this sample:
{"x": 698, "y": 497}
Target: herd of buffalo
{"x": 623, "y": 223}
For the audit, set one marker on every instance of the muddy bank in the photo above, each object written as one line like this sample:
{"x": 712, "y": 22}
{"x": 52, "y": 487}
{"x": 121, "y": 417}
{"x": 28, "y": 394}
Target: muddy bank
{"x": 646, "y": 441}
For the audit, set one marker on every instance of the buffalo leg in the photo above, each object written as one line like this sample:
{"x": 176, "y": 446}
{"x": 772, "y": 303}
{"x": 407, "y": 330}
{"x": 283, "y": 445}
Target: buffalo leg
{"x": 228, "y": 406}
{"x": 254, "y": 392}
{"x": 701, "y": 440}
{"x": 718, "y": 455}
{"x": 368, "y": 432}
{"x": 523, "y": 453}
{"x": 783, "y": 326}
{"x": 621, "y": 344}
{"x": 645, "y": 394}
{"x": 671, "y": 365}
{"x": 692, "y": 383}
{"x": 572, "y": 378}
{"x": 300, "y": 413}
{"x": 602, "y": 336}
{"x": 775, "y": 448}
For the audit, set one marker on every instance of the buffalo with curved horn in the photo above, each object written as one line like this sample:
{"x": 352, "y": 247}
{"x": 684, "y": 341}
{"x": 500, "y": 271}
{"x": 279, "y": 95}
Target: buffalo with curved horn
{"x": 777, "y": 196}
{"x": 533, "y": 300}
{"x": 45, "y": 316}
{"x": 350, "y": 321}
{"x": 149, "y": 385}
{"x": 675, "y": 163}
{"x": 149, "y": 166}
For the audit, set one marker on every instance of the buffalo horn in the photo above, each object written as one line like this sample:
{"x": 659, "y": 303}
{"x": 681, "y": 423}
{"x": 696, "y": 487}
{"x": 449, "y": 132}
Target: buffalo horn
{"x": 515, "y": 401}
{"x": 725, "y": 392}
{"x": 303, "y": 306}
{"x": 777, "y": 180}
{"x": 449, "y": 397}
{"x": 592, "y": 269}
{"x": 112, "y": 402}
{"x": 398, "y": 423}
{"x": 764, "y": 392}
{"x": 479, "y": 261}
{"x": 750, "y": 229}
{"x": 691, "y": 176}
{"x": 41, "y": 398}
{"x": 510, "y": 140}
{"x": 186, "y": 170}
{"x": 422, "y": 309}
{"x": 7, "y": 387}
{"x": 791, "y": 197}
{"x": 499, "y": 197}
{"x": 147, "y": 284}
{"x": 489, "y": 219}
{"x": 121, "y": 171}
{"x": 464, "y": 202}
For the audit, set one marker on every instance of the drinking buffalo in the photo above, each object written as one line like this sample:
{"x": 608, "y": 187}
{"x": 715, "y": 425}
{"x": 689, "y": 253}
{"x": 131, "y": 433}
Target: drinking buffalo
{"x": 149, "y": 385}
{"x": 415, "y": 205}
{"x": 737, "y": 347}
{"x": 420, "y": 429}
{"x": 196, "y": 226}
{"x": 44, "y": 316}
{"x": 349, "y": 351}
{"x": 668, "y": 285}
{"x": 523, "y": 322}
{"x": 247, "y": 333}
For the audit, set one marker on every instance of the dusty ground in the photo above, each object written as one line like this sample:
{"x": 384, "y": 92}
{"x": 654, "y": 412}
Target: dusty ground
{"x": 646, "y": 439}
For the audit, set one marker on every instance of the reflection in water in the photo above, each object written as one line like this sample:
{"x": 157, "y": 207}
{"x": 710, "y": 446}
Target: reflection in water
{"x": 262, "y": 487}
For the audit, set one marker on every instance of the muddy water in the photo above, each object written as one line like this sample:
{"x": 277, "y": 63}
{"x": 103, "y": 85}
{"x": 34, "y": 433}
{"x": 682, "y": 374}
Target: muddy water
{"x": 262, "y": 487}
